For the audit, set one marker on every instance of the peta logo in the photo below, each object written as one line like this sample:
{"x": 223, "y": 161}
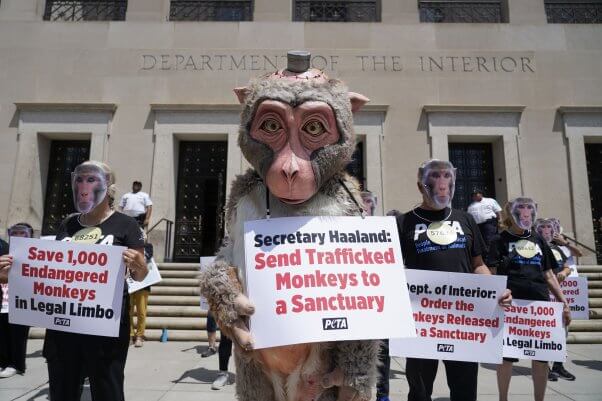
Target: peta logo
{"x": 62, "y": 321}
{"x": 445, "y": 348}
{"x": 334, "y": 323}
{"x": 529, "y": 352}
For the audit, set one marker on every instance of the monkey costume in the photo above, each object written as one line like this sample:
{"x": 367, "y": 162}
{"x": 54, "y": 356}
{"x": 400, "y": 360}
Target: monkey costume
{"x": 297, "y": 132}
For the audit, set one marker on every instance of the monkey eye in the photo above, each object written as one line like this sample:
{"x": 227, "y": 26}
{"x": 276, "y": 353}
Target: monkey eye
{"x": 314, "y": 128}
{"x": 271, "y": 126}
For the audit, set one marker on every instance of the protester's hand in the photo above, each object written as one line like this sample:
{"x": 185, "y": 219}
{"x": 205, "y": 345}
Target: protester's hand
{"x": 346, "y": 393}
{"x": 145, "y": 224}
{"x": 560, "y": 277}
{"x": 134, "y": 261}
{"x": 6, "y": 261}
{"x": 560, "y": 240}
{"x": 566, "y": 314}
{"x": 506, "y": 298}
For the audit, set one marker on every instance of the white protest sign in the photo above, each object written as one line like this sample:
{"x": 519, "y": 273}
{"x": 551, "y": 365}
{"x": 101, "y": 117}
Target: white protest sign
{"x": 315, "y": 279}
{"x": 205, "y": 262}
{"x": 534, "y": 330}
{"x": 153, "y": 277}
{"x": 457, "y": 317}
{"x": 576, "y": 294}
{"x": 66, "y": 286}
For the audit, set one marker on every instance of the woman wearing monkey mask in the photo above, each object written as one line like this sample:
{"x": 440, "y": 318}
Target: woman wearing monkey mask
{"x": 526, "y": 259}
{"x": 436, "y": 237}
{"x": 71, "y": 355}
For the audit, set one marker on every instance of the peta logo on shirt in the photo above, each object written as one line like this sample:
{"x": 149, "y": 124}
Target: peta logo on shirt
{"x": 440, "y": 235}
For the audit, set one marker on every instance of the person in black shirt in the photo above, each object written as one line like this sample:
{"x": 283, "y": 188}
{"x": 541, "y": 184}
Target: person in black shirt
{"x": 436, "y": 237}
{"x": 72, "y": 356}
{"x": 526, "y": 259}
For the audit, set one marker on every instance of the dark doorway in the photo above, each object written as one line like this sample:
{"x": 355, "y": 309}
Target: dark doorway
{"x": 356, "y": 165}
{"x": 58, "y": 203}
{"x": 593, "y": 155}
{"x": 200, "y": 199}
{"x": 474, "y": 164}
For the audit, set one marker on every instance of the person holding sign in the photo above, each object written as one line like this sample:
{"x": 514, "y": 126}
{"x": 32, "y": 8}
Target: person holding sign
{"x": 436, "y": 237}
{"x": 70, "y": 356}
{"x": 526, "y": 259}
{"x": 13, "y": 337}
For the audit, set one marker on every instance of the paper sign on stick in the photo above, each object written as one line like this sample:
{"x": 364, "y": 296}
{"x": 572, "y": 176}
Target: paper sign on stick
{"x": 534, "y": 330}
{"x": 316, "y": 279}
{"x": 152, "y": 277}
{"x": 457, "y": 317}
{"x": 66, "y": 286}
{"x": 576, "y": 294}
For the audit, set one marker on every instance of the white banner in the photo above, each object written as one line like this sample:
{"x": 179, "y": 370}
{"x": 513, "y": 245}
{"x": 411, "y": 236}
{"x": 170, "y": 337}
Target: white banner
{"x": 66, "y": 286}
{"x": 205, "y": 262}
{"x": 316, "y": 279}
{"x": 153, "y": 277}
{"x": 576, "y": 294}
{"x": 457, "y": 317}
{"x": 534, "y": 330}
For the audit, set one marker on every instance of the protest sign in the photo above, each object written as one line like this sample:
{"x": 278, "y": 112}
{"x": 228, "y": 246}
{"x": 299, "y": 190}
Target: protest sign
{"x": 152, "y": 277}
{"x": 205, "y": 262}
{"x": 534, "y": 330}
{"x": 316, "y": 279}
{"x": 576, "y": 294}
{"x": 457, "y": 317}
{"x": 66, "y": 286}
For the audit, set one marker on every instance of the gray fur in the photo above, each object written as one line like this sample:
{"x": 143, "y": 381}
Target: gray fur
{"x": 217, "y": 286}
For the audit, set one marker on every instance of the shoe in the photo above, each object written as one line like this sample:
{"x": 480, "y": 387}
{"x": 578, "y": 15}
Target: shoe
{"x": 221, "y": 380}
{"x": 552, "y": 376}
{"x": 8, "y": 372}
{"x": 138, "y": 342}
{"x": 208, "y": 352}
{"x": 562, "y": 372}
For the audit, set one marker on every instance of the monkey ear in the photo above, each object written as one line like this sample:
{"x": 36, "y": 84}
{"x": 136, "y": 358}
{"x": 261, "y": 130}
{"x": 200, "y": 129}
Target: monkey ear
{"x": 357, "y": 101}
{"x": 241, "y": 93}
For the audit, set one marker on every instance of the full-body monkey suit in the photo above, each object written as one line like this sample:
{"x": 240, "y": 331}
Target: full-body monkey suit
{"x": 330, "y": 371}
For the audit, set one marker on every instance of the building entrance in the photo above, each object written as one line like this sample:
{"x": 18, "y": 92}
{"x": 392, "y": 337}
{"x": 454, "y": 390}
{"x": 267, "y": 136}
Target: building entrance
{"x": 474, "y": 164}
{"x": 200, "y": 199}
{"x": 593, "y": 155}
{"x": 58, "y": 203}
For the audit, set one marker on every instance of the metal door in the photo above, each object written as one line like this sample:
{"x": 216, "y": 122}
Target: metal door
{"x": 64, "y": 157}
{"x": 593, "y": 154}
{"x": 200, "y": 199}
{"x": 474, "y": 163}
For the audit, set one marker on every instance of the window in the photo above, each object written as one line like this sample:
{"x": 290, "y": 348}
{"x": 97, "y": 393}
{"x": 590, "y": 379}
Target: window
{"x": 209, "y": 10}
{"x": 574, "y": 12}
{"x": 85, "y": 10}
{"x": 467, "y": 11}
{"x": 336, "y": 10}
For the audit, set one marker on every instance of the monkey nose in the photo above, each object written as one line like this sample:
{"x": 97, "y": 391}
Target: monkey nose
{"x": 290, "y": 169}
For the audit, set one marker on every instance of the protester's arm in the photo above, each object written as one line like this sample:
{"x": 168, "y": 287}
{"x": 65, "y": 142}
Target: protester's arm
{"x": 557, "y": 292}
{"x": 561, "y": 275}
{"x": 560, "y": 240}
{"x": 149, "y": 210}
{"x": 479, "y": 266}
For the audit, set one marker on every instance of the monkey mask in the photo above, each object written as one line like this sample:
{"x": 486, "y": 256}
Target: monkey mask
{"x": 437, "y": 182}
{"x": 89, "y": 185}
{"x": 20, "y": 230}
{"x": 546, "y": 228}
{"x": 297, "y": 128}
{"x": 369, "y": 202}
{"x": 523, "y": 212}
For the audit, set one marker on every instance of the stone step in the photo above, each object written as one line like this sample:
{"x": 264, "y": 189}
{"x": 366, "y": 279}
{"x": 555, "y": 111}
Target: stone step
{"x": 179, "y": 274}
{"x": 589, "y": 269}
{"x": 150, "y": 334}
{"x": 180, "y": 282}
{"x": 592, "y": 276}
{"x": 595, "y": 302}
{"x": 183, "y": 300}
{"x": 584, "y": 338}
{"x": 178, "y": 266}
{"x": 175, "y": 291}
{"x": 183, "y": 311}
{"x": 594, "y": 284}
{"x": 595, "y": 313}
{"x": 595, "y": 293}
{"x": 586, "y": 326}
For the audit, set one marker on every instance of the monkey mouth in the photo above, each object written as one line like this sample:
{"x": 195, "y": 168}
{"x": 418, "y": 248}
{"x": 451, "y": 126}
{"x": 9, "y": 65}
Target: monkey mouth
{"x": 292, "y": 201}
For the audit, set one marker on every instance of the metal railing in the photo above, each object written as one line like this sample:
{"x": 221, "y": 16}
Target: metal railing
{"x": 573, "y": 12}
{"x": 480, "y": 11}
{"x": 210, "y": 10}
{"x": 85, "y": 10}
{"x": 336, "y": 10}
{"x": 168, "y": 231}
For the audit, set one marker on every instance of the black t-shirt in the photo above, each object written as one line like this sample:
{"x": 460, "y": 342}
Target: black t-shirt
{"x": 559, "y": 257}
{"x": 445, "y": 245}
{"x": 524, "y": 259}
{"x": 118, "y": 230}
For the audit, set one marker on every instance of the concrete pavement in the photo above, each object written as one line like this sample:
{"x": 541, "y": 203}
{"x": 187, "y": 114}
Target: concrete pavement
{"x": 175, "y": 371}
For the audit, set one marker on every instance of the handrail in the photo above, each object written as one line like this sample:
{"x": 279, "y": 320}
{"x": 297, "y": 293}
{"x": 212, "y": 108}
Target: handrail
{"x": 168, "y": 226}
{"x": 580, "y": 244}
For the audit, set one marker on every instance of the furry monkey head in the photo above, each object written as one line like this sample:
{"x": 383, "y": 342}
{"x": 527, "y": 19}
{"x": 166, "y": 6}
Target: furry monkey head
{"x": 297, "y": 130}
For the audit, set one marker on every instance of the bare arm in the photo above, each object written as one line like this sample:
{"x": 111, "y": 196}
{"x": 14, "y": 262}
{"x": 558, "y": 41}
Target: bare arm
{"x": 149, "y": 211}
{"x": 134, "y": 260}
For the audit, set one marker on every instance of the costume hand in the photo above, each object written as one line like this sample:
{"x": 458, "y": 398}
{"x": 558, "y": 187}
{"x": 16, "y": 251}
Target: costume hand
{"x": 346, "y": 393}
{"x": 506, "y": 298}
{"x": 135, "y": 262}
{"x": 6, "y": 261}
{"x": 239, "y": 331}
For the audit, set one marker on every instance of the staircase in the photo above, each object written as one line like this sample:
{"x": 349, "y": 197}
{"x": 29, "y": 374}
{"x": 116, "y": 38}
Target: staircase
{"x": 589, "y": 331}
